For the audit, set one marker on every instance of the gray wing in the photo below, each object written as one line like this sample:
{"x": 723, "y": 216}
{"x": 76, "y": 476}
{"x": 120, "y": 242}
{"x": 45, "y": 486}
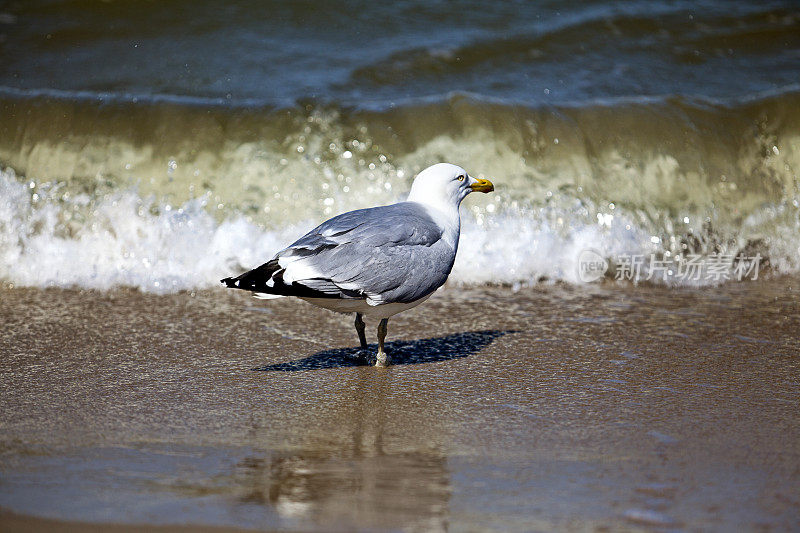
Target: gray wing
{"x": 385, "y": 254}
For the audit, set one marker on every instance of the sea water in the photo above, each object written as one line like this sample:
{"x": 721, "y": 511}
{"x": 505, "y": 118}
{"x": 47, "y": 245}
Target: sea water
{"x": 165, "y": 148}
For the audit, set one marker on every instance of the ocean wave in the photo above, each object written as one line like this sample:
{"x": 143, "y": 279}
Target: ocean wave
{"x": 672, "y": 155}
{"x": 120, "y": 239}
{"x": 51, "y": 239}
{"x": 670, "y": 31}
{"x": 276, "y": 53}
{"x": 100, "y": 194}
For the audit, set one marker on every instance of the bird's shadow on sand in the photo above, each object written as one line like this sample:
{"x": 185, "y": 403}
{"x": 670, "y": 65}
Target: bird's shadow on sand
{"x": 415, "y": 352}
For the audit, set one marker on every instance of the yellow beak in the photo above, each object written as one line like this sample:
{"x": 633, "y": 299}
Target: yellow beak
{"x": 482, "y": 186}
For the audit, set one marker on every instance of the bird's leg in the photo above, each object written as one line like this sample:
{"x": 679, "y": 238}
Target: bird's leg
{"x": 383, "y": 358}
{"x": 360, "y": 330}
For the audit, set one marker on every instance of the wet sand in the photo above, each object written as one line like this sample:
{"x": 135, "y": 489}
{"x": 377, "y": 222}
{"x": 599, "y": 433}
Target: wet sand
{"x": 598, "y": 407}
{"x": 30, "y": 524}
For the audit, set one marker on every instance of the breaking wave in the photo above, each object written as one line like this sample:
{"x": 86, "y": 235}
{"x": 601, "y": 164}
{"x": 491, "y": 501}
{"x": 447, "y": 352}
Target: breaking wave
{"x": 167, "y": 194}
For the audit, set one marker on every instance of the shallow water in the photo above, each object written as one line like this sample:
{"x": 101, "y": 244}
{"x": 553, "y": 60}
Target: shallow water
{"x": 575, "y": 408}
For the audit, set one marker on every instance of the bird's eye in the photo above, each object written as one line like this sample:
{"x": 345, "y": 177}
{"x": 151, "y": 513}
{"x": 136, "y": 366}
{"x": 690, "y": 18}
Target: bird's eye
{"x": 460, "y": 178}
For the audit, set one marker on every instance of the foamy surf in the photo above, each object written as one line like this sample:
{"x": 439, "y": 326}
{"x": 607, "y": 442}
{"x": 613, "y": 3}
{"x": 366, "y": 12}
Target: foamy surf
{"x": 122, "y": 239}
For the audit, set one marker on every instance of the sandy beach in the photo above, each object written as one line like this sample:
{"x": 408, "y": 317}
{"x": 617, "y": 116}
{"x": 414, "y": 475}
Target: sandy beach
{"x": 577, "y": 408}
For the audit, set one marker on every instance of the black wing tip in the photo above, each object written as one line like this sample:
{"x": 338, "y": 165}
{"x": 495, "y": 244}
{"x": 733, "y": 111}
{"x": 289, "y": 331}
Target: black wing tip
{"x": 256, "y": 281}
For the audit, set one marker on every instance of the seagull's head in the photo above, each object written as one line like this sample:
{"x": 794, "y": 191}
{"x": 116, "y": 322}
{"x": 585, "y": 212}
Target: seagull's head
{"x": 446, "y": 184}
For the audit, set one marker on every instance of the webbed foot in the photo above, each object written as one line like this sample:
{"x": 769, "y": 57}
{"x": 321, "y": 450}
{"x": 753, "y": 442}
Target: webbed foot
{"x": 383, "y": 359}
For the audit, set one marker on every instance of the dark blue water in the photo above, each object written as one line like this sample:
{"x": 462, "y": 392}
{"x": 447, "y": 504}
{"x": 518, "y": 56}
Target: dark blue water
{"x": 372, "y": 54}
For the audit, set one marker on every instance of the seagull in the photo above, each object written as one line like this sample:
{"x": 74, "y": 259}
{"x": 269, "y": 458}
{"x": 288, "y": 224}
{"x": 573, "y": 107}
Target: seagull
{"x": 374, "y": 262}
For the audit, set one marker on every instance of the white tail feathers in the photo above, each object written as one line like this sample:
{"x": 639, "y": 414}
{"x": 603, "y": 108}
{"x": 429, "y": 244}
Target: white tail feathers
{"x": 265, "y": 296}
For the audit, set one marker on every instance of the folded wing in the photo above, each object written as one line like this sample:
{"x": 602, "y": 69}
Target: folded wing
{"x": 384, "y": 254}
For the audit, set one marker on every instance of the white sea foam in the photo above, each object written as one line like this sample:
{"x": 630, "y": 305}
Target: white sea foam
{"x": 511, "y": 248}
{"x": 121, "y": 243}
{"x": 122, "y": 239}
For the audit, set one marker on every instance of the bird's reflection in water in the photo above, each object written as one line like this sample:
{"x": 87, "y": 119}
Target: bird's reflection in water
{"x": 353, "y": 479}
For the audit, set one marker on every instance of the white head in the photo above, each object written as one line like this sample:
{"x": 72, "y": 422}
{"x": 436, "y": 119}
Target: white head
{"x": 444, "y": 186}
